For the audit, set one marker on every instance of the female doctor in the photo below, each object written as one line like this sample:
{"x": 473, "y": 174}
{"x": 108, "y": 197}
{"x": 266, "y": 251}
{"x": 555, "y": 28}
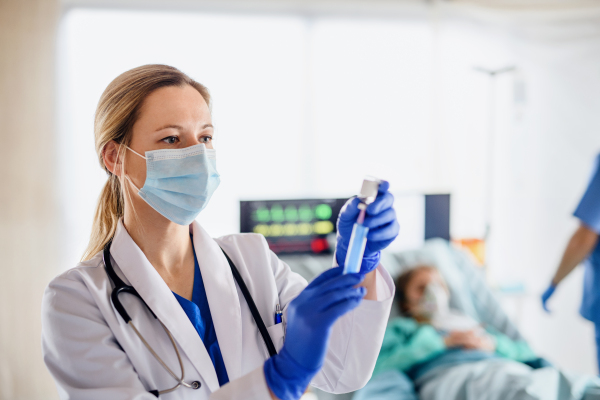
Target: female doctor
{"x": 156, "y": 309}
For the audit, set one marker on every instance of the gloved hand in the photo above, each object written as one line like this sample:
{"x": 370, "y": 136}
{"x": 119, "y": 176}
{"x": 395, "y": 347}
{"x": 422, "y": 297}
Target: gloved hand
{"x": 547, "y": 294}
{"x": 310, "y": 317}
{"x": 381, "y": 221}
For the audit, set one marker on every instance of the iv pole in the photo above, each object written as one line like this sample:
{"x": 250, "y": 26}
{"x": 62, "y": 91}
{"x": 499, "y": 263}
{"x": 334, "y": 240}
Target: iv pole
{"x": 491, "y": 164}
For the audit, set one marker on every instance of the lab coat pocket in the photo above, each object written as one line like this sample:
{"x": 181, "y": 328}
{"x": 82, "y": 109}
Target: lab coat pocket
{"x": 277, "y": 334}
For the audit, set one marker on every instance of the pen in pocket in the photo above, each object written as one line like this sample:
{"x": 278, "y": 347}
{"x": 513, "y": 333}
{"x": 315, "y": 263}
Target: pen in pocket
{"x": 278, "y": 314}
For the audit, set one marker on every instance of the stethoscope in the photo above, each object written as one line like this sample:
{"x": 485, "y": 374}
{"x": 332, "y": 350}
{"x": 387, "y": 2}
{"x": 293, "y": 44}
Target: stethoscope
{"x": 121, "y": 287}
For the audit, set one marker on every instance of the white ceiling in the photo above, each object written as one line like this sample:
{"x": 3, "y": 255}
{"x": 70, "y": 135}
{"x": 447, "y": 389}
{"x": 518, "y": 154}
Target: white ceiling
{"x": 562, "y": 9}
{"x": 325, "y": 4}
{"x": 530, "y": 4}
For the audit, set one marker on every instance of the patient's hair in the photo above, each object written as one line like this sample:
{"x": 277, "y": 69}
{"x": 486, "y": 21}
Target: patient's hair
{"x": 402, "y": 283}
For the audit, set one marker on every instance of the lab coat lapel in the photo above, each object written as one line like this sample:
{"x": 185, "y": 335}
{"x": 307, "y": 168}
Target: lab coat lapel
{"x": 222, "y": 297}
{"x": 157, "y": 295}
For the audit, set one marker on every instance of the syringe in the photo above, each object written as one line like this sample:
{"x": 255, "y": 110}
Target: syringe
{"x": 358, "y": 239}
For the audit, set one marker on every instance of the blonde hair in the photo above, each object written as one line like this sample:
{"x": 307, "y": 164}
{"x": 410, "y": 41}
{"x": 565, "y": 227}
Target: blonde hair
{"x": 117, "y": 112}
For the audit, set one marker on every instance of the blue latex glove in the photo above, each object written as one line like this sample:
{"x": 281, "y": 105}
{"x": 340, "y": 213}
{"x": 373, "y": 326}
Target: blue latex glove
{"x": 381, "y": 221}
{"x": 547, "y": 294}
{"x": 310, "y": 317}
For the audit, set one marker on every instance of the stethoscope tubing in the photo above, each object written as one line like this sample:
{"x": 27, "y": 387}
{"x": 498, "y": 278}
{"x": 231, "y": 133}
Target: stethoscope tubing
{"x": 121, "y": 287}
{"x": 151, "y": 350}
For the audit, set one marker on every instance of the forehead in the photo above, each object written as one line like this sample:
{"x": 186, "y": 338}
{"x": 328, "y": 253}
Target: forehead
{"x": 174, "y": 104}
{"x": 425, "y": 275}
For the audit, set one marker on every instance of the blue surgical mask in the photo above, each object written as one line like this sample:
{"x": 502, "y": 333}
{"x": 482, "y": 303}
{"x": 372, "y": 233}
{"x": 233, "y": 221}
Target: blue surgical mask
{"x": 179, "y": 182}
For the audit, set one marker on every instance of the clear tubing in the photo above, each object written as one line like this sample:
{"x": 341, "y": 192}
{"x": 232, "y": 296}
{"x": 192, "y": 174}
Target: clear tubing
{"x": 356, "y": 249}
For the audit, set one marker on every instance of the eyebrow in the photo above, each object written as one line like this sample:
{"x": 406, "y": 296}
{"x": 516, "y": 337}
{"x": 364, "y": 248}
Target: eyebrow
{"x": 180, "y": 128}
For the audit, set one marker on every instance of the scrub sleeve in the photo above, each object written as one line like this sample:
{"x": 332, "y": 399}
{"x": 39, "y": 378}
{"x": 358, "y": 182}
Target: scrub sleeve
{"x": 588, "y": 212}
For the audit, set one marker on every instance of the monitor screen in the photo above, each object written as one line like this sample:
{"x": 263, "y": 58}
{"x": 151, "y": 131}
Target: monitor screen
{"x": 292, "y": 226}
{"x": 437, "y": 216}
{"x": 301, "y": 226}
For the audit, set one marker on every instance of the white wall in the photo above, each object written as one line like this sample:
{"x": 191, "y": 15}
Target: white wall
{"x": 545, "y": 138}
{"x": 302, "y": 107}
{"x": 546, "y": 157}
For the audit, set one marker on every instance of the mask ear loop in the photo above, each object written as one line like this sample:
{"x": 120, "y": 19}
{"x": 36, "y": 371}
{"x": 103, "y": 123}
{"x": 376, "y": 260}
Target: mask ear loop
{"x": 127, "y": 176}
{"x": 127, "y": 193}
{"x": 131, "y": 182}
{"x": 135, "y": 152}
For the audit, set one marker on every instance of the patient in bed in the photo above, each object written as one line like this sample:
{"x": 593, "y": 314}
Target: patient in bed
{"x": 431, "y": 328}
{"x": 449, "y": 355}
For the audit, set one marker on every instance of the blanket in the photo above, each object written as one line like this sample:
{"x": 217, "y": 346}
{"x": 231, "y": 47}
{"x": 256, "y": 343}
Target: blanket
{"x": 502, "y": 379}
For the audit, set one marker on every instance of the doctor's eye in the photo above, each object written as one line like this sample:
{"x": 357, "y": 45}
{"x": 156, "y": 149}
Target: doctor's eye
{"x": 206, "y": 139}
{"x": 170, "y": 139}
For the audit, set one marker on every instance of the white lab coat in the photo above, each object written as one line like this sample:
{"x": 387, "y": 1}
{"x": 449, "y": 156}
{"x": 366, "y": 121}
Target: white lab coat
{"x": 93, "y": 354}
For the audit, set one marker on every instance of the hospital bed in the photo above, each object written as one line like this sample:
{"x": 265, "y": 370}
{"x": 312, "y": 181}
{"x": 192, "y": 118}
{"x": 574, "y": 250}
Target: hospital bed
{"x": 469, "y": 294}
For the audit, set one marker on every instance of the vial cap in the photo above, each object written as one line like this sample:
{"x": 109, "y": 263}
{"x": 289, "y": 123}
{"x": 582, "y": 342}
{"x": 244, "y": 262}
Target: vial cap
{"x": 368, "y": 191}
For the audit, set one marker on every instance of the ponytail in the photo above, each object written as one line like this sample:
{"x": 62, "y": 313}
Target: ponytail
{"x": 108, "y": 212}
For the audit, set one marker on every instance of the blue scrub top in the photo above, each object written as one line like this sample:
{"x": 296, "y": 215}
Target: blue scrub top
{"x": 588, "y": 211}
{"x": 198, "y": 312}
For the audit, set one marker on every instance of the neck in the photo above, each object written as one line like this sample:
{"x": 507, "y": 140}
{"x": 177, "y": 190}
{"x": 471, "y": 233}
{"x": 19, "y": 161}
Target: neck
{"x": 167, "y": 245}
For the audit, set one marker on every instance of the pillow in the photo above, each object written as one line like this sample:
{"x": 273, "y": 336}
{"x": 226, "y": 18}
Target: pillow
{"x": 468, "y": 291}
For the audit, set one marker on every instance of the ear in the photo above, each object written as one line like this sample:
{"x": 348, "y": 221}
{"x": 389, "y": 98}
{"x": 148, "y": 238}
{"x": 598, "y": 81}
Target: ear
{"x": 110, "y": 155}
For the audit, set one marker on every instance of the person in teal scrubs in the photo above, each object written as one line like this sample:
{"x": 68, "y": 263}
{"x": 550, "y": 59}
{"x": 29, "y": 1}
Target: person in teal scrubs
{"x": 584, "y": 247}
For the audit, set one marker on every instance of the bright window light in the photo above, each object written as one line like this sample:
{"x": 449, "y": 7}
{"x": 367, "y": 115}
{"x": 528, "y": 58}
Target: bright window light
{"x": 303, "y": 107}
